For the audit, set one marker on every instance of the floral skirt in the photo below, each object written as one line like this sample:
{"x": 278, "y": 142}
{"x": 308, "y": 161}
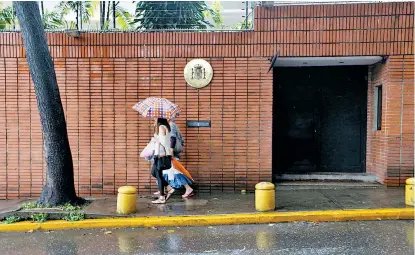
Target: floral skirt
{"x": 178, "y": 181}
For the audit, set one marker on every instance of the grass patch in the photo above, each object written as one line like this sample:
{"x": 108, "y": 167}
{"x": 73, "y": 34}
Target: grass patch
{"x": 74, "y": 216}
{"x": 11, "y": 219}
{"x": 39, "y": 217}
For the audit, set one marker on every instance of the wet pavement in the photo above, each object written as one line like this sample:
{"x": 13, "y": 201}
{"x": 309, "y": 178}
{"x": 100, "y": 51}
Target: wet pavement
{"x": 11, "y": 205}
{"x": 286, "y": 201}
{"x": 376, "y": 237}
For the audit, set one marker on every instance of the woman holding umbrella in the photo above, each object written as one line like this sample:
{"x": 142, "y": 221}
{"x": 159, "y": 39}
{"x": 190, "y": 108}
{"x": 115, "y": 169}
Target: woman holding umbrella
{"x": 162, "y": 156}
{"x": 163, "y": 110}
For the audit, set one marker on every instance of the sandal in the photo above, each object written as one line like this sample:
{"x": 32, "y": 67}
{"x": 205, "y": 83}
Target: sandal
{"x": 161, "y": 200}
{"x": 191, "y": 194}
{"x": 170, "y": 193}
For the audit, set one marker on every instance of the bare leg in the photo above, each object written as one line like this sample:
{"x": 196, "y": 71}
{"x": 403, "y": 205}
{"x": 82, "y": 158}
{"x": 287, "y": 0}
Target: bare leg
{"x": 188, "y": 189}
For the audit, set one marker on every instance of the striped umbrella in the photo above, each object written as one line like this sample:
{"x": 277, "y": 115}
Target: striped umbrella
{"x": 155, "y": 107}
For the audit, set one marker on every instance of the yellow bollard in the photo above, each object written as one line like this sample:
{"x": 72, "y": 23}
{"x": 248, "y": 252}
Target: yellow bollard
{"x": 264, "y": 196}
{"x": 409, "y": 192}
{"x": 126, "y": 200}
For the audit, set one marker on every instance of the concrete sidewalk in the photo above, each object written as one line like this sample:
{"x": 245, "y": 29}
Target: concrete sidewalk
{"x": 288, "y": 199}
{"x": 292, "y": 204}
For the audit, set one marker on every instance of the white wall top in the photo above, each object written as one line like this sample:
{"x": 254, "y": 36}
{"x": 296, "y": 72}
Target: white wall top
{"x": 326, "y": 61}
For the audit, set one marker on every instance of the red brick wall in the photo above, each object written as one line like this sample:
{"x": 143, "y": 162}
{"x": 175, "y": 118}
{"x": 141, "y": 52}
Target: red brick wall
{"x": 376, "y": 144}
{"x": 390, "y": 151}
{"x": 338, "y": 29}
{"x": 101, "y": 75}
{"x": 106, "y": 135}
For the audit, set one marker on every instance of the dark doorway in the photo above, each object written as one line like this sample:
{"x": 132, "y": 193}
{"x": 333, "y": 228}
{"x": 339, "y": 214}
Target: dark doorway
{"x": 319, "y": 122}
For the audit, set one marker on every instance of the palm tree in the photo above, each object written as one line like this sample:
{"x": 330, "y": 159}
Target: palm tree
{"x": 53, "y": 20}
{"x": 50, "y": 19}
{"x": 83, "y": 10}
{"x": 119, "y": 16}
{"x": 171, "y": 15}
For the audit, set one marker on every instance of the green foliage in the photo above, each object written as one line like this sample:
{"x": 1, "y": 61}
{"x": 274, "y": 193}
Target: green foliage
{"x": 123, "y": 18}
{"x": 215, "y": 14}
{"x": 11, "y": 219}
{"x": 39, "y": 217}
{"x": 74, "y": 216}
{"x": 86, "y": 9}
{"x": 171, "y": 15}
{"x": 242, "y": 25}
{"x": 8, "y": 18}
{"x": 53, "y": 20}
{"x": 82, "y": 9}
{"x": 74, "y": 212}
{"x": 31, "y": 205}
{"x": 69, "y": 207}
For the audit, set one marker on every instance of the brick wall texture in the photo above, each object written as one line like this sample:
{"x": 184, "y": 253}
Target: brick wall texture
{"x": 102, "y": 75}
{"x": 390, "y": 151}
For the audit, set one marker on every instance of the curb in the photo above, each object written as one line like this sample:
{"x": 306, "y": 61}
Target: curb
{"x": 222, "y": 219}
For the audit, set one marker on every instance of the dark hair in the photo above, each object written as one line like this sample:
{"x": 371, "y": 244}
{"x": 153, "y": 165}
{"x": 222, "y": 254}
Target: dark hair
{"x": 164, "y": 122}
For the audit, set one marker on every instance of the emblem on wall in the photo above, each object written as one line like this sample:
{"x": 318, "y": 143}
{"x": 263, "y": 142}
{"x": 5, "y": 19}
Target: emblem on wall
{"x": 198, "y": 73}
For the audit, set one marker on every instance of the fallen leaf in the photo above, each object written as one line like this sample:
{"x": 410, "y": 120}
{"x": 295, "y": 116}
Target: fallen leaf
{"x": 210, "y": 227}
{"x": 154, "y": 228}
{"x": 30, "y": 231}
{"x": 170, "y": 231}
{"x": 271, "y": 225}
{"x": 107, "y": 232}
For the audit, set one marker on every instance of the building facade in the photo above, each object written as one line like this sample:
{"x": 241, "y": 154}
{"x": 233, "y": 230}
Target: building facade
{"x": 254, "y": 132}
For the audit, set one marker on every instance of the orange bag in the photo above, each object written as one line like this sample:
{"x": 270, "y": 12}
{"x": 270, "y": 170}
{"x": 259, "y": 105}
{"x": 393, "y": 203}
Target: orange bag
{"x": 179, "y": 167}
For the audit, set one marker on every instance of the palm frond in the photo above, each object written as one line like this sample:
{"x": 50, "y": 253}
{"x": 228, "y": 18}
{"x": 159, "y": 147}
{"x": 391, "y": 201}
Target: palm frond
{"x": 171, "y": 15}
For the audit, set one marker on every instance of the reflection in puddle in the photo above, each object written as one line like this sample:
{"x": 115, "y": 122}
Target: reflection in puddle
{"x": 410, "y": 235}
{"x": 173, "y": 243}
{"x": 127, "y": 242}
{"x": 263, "y": 239}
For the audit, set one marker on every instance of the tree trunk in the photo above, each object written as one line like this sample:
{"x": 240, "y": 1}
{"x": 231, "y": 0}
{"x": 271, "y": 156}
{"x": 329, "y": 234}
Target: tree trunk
{"x": 59, "y": 187}
{"x": 81, "y": 12}
{"x": 113, "y": 15}
{"x": 77, "y": 15}
{"x": 108, "y": 12}
{"x": 102, "y": 13}
{"x": 14, "y": 18}
{"x": 41, "y": 7}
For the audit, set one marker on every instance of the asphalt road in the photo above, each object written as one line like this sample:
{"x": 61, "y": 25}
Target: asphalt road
{"x": 376, "y": 237}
